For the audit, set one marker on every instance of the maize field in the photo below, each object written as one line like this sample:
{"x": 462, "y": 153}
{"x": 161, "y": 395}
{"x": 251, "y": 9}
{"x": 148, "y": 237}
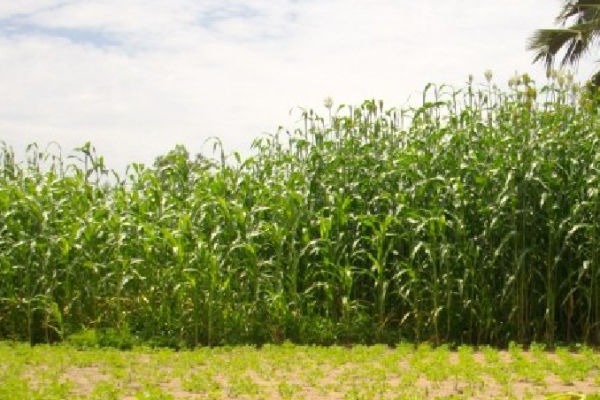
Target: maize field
{"x": 473, "y": 218}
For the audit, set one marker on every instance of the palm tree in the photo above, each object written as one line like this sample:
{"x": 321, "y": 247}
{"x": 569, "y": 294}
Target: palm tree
{"x": 579, "y": 31}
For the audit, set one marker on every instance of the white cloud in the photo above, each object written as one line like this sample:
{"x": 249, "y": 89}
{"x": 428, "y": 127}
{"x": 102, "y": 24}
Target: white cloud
{"x": 11, "y": 8}
{"x": 186, "y": 70}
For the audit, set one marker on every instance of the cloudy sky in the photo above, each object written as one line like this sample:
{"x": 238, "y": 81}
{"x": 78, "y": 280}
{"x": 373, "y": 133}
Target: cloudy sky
{"x": 136, "y": 77}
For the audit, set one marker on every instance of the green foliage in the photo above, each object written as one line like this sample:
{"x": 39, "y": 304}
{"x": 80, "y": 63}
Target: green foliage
{"x": 118, "y": 338}
{"x": 93, "y": 338}
{"x": 473, "y": 218}
{"x": 291, "y": 372}
{"x": 153, "y": 394}
{"x": 85, "y": 339}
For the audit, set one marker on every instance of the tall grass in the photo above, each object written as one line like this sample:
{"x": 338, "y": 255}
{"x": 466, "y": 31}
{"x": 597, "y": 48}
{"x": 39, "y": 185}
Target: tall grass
{"x": 474, "y": 218}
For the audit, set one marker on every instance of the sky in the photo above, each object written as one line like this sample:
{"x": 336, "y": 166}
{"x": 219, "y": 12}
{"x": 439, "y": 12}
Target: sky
{"x": 137, "y": 77}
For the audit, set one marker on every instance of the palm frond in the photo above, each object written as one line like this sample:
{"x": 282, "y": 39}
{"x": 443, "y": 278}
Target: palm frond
{"x": 546, "y": 43}
{"x": 576, "y": 40}
{"x": 584, "y": 10}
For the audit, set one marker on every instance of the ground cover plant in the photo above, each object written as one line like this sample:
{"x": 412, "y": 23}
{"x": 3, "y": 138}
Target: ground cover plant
{"x": 471, "y": 219}
{"x": 317, "y": 372}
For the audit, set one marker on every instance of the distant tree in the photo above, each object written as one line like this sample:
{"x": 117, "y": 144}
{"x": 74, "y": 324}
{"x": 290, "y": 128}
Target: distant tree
{"x": 579, "y": 31}
{"x": 177, "y": 169}
{"x": 179, "y": 158}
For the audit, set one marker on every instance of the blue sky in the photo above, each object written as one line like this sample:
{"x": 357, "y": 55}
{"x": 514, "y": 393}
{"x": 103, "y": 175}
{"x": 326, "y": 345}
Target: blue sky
{"x": 15, "y": 27}
{"x": 136, "y": 77}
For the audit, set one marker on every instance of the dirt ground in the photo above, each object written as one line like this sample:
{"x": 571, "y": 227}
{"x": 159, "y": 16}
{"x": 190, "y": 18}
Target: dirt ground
{"x": 313, "y": 374}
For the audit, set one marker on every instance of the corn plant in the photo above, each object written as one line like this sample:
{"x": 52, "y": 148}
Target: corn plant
{"x": 471, "y": 218}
